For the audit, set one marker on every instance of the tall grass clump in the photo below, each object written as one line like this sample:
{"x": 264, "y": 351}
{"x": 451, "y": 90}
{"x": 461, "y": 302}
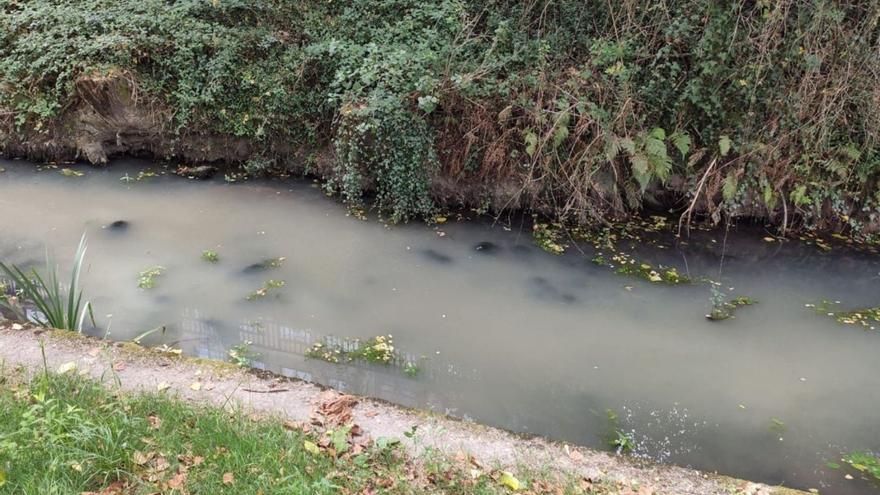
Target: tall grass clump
{"x": 61, "y": 307}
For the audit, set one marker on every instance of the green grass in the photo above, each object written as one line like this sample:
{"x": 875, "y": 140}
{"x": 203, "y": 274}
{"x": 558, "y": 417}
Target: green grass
{"x": 62, "y": 434}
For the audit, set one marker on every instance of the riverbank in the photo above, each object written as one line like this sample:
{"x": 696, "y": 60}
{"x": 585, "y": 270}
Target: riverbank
{"x": 583, "y": 111}
{"x": 136, "y": 370}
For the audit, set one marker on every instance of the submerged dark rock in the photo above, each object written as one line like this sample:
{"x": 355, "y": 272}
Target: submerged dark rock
{"x": 436, "y": 256}
{"x": 486, "y": 247}
{"x": 262, "y": 266}
{"x": 254, "y": 268}
{"x": 541, "y": 288}
{"x": 119, "y": 226}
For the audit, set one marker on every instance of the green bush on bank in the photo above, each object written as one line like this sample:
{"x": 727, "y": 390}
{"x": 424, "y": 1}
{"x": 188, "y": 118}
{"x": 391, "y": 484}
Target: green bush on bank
{"x": 759, "y": 107}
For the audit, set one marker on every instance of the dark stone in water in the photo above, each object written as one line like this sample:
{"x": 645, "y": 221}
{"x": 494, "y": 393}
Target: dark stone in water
{"x": 255, "y": 268}
{"x": 118, "y": 226}
{"x": 436, "y": 256}
{"x": 486, "y": 247}
{"x": 543, "y": 289}
{"x": 265, "y": 265}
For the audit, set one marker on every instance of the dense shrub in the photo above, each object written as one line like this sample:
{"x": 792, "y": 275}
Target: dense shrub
{"x": 590, "y": 107}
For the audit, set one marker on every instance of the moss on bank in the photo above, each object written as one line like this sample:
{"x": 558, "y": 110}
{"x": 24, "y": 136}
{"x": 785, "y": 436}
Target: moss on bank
{"x": 584, "y": 110}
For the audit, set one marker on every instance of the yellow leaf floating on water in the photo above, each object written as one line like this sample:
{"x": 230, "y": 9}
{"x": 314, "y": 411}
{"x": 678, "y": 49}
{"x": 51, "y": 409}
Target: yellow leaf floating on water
{"x": 66, "y": 368}
{"x": 69, "y": 172}
{"x": 440, "y": 219}
{"x": 311, "y": 448}
{"x": 769, "y": 239}
{"x": 509, "y": 481}
{"x": 162, "y": 386}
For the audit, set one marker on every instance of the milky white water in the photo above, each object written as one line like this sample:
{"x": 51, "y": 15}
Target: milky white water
{"x": 511, "y": 336}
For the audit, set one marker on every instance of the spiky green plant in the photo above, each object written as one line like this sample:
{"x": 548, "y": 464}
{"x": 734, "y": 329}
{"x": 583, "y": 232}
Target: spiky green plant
{"x": 62, "y": 307}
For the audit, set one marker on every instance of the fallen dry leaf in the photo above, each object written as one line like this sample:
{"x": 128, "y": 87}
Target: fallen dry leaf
{"x": 154, "y": 421}
{"x": 141, "y": 458}
{"x": 115, "y": 488}
{"x": 163, "y": 386}
{"x": 118, "y": 365}
{"x": 228, "y": 478}
{"x": 196, "y": 386}
{"x": 189, "y": 460}
{"x": 177, "y": 481}
{"x": 336, "y": 410}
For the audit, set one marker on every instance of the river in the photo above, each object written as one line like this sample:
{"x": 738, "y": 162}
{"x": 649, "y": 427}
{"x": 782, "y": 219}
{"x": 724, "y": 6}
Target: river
{"x": 503, "y": 332}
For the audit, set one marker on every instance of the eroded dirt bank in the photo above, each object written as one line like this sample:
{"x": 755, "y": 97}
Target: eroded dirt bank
{"x": 136, "y": 369}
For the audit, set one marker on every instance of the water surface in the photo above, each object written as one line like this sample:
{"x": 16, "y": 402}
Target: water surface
{"x": 511, "y": 336}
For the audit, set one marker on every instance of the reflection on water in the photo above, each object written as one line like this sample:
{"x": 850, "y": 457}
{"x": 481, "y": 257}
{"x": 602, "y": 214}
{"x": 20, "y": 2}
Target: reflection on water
{"x": 511, "y": 336}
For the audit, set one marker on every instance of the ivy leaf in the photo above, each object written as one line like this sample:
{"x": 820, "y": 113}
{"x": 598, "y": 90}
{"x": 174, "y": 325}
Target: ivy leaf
{"x": 681, "y": 141}
{"x": 724, "y": 145}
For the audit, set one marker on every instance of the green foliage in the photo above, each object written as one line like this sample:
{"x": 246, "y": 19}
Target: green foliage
{"x": 378, "y": 350}
{"x": 147, "y": 278}
{"x": 268, "y": 286}
{"x": 864, "y": 463}
{"x": 210, "y": 256}
{"x": 722, "y": 307}
{"x": 242, "y": 355}
{"x": 61, "y": 307}
{"x": 548, "y": 236}
{"x": 383, "y": 144}
{"x": 867, "y": 318}
{"x": 589, "y": 105}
